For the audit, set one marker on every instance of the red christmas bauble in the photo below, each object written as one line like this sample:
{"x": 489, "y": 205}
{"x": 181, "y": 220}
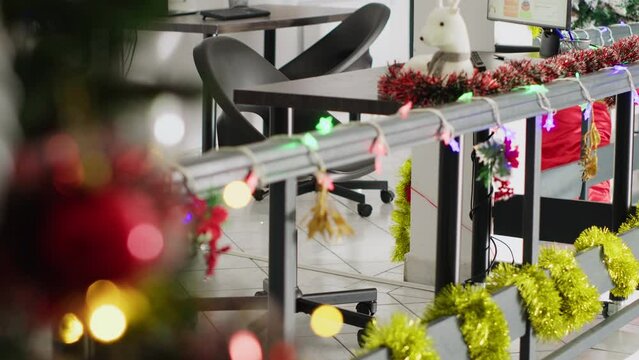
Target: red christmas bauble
{"x": 84, "y": 237}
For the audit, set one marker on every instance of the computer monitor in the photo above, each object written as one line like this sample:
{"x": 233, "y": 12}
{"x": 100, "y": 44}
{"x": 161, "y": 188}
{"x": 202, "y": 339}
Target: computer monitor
{"x": 548, "y": 14}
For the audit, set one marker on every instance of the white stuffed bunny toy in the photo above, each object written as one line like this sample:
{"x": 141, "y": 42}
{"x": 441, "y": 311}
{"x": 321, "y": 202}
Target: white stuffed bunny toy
{"x": 446, "y": 30}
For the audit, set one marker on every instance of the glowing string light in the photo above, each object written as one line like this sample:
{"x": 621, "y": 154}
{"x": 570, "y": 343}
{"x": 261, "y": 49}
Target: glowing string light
{"x": 71, "y": 329}
{"x": 446, "y": 130}
{"x": 245, "y": 346}
{"x": 404, "y": 111}
{"x": 326, "y": 321}
{"x": 238, "y": 194}
{"x": 107, "y": 323}
{"x": 633, "y": 89}
{"x": 325, "y": 125}
{"x": 310, "y": 142}
{"x": 466, "y": 97}
{"x": 379, "y": 147}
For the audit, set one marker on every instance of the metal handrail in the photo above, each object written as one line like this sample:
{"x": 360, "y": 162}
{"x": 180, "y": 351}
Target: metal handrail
{"x": 350, "y": 144}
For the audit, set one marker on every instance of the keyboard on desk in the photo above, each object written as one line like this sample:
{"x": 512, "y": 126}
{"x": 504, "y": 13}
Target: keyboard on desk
{"x": 240, "y": 12}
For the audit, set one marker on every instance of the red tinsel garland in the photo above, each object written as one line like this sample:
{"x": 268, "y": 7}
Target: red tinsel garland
{"x": 425, "y": 90}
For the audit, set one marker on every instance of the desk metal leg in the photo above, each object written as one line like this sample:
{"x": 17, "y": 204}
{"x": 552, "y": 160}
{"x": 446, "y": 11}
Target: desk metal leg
{"x": 448, "y": 218}
{"x": 531, "y": 216}
{"x": 269, "y": 45}
{"x": 622, "y": 192}
{"x": 282, "y": 270}
{"x": 481, "y": 215}
{"x": 209, "y": 127}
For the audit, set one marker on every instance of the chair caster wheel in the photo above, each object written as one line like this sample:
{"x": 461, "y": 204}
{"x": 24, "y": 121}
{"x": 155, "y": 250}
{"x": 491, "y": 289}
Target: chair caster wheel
{"x": 364, "y": 210}
{"x": 261, "y": 293}
{"x": 367, "y": 308}
{"x": 387, "y": 196}
{"x": 360, "y": 338}
{"x": 260, "y": 194}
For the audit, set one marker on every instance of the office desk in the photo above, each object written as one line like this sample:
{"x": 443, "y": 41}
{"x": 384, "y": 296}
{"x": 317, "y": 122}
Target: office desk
{"x": 282, "y": 16}
{"x": 354, "y": 91}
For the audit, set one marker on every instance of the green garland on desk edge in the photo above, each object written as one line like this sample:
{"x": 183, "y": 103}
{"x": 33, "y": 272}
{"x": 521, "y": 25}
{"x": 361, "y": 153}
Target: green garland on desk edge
{"x": 482, "y": 323}
{"x": 400, "y": 230}
{"x": 404, "y": 337}
{"x": 622, "y": 266}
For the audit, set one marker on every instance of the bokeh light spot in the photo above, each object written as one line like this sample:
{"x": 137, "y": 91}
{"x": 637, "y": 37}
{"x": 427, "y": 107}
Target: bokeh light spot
{"x": 71, "y": 329}
{"x": 145, "y": 242}
{"x": 326, "y": 321}
{"x": 102, "y": 292}
{"x": 168, "y": 129}
{"x": 107, "y": 323}
{"x": 237, "y": 194}
{"x": 245, "y": 346}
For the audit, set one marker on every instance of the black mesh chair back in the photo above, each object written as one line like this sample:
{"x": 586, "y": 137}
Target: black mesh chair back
{"x": 344, "y": 48}
{"x": 225, "y": 64}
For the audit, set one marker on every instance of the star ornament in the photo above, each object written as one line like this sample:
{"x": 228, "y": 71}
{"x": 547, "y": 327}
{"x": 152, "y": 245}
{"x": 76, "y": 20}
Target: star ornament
{"x": 325, "y": 125}
{"x": 549, "y": 124}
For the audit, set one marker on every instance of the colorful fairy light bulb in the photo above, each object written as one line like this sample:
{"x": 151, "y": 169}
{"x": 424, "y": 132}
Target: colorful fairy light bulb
{"x": 237, "y": 194}
{"x": 169, "y": 129}
{"x": 466, "y": 97}
{"x": 454, "y": 145}
{"x": 587, "y": 111}
{"x": 379, "y": 148}
{"x": 549, "y": 124}
{"x": 325, "y": 125}
{"x": 404, "y": 111}
{"x": 326, "y": 321}
{"x": 534, "y": 89}
{"x": 245, "y": 346}
{"x": 107, "y": 323}
{"x": 324, "y": 180}
{"x": 310, "y": 142}
{"x": 71, "y": 329}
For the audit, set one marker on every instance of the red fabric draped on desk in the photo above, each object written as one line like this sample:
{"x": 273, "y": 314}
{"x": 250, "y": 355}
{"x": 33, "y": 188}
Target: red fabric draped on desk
{"x": 562, "y": 145}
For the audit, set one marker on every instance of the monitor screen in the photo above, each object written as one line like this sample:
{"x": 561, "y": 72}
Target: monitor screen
{"x": 543, "y": 13}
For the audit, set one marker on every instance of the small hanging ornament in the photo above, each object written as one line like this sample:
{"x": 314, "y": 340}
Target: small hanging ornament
{"x": 592, "y": 138}
{"x": 589, "y": 160}
{"x": 325, "y": 219}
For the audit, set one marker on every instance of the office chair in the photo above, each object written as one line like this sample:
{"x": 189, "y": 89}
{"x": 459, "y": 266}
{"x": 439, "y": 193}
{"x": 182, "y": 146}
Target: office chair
{"x": 225, "y": 64}
{"x": 228, "y": 64}
{"x": 345, "y": 48}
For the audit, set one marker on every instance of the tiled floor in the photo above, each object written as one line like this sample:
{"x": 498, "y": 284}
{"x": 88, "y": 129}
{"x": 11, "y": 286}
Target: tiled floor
{"x": 367, "y": 253}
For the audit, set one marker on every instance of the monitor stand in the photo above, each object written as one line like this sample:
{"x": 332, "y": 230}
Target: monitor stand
{"x": 549, "y": 43}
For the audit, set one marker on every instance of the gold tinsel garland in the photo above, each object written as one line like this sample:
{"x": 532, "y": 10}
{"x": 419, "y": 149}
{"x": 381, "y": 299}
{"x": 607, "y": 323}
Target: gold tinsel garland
{"x": 482, "y": 323}
{"x": 541, "y": 298}
{"x": 401, "y": 214}
{"x": 404, "y": 337}
{"x": 622, "y": 266}
{"x": 579, "y": 299}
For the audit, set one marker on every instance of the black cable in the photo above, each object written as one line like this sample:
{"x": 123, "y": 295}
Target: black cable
{"x": 512, "y": 255}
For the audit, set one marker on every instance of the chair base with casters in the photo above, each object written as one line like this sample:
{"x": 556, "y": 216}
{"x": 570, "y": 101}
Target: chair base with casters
{"x": 365, "y": 308}
{"x": 346, "y": 190}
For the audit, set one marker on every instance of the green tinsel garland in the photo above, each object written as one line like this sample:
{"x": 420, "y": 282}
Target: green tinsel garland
{"x": 631, "y": 223}
{"x": 580, "y": 300}
{"x": 405, "y": 338}
{"x": 541, "y": 298}
{"x": 401, "y": 214}
{"x": 621, "y": 263}
{"x": 482, "y": 322}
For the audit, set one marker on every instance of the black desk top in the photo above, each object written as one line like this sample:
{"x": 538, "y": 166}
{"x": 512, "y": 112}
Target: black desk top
{"x": 281, "y": 16}
{"x": 354, "y": 91}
